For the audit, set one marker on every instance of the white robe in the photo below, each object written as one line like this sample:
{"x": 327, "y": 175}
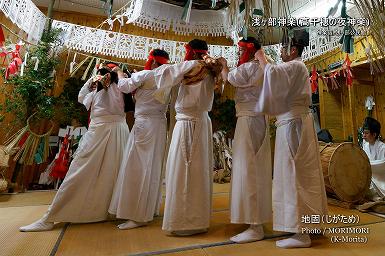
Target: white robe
{"x": 137, "y": 189}
{"x": 189, "y": 166}
{"x": 376, "y": 155}
{"x": 298, "y": 184}
{"x": 251, "y": 181}
{"x": 376, "y": 151}
{"x": 85, "y": 194}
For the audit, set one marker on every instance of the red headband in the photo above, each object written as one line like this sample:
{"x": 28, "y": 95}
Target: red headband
{"x": 250, "y": 48}
{"x": 190, "y": 52}
{"x": 151, "y": 58}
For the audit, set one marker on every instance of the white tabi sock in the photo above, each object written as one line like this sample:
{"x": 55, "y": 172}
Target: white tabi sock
{"x": 296, "y": 241}
{"x": 131, "y": 224}
{"x": 39, "y": 225}
{"x": 252, "y": 234}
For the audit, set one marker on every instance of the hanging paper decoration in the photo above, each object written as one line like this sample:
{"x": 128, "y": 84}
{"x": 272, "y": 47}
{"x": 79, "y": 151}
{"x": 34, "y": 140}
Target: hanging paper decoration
{"x": 110, "y": 22}
{"x": 29, "y": 146}
{"x": 36, "y": 63}
{"x": 314, "y": 80}
{"x": 347, "y": 71}
{"x": 213, "y": 3}
{"x": 108, "y": 7}
{"x": 187, "y": 11}
{"x": 73, "y": 63}
{"x": 347, "y": 39}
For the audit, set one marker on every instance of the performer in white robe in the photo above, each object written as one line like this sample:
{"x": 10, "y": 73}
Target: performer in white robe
{"x": 86, "y": 191}
{"x": 374, "y": 148}
{"x": 138, "y": 188}
{"x": 251, "y": 177}
{"x": 298, "y": 184}
{"x": 189, "y": 166}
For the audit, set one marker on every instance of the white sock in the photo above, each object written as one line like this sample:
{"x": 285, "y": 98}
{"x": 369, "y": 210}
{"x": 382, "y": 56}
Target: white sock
{"x": 252, "y": 234}
{"x": 39, "y": 225}
{"x": 131, "y": 224}
{"x": 296, "y": 241}
{"x": 189, "y": 232}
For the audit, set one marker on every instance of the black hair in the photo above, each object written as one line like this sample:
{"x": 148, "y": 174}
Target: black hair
{"x": 160, "y": 53}
{"x": 300, "y": 49}
{"x": 114, "y": 75}
{"x": 373, "y": 126}
{"x": 250, "y": 39}
{"x": 198, "y": 44}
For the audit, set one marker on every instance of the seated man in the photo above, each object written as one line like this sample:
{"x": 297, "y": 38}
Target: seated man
{"x": 373, "y": 147}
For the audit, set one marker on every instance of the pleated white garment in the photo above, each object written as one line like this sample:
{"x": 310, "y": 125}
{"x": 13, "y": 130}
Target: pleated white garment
{"x": 189, "y": 171}
{"x": 251, "y": 180}
{"x": 298, "y": 184}
{"x": 85, "y": 194}
{"x": 189, "y": 167}
{"x": 138, "y": 189}
{"x": 251, "y": 177}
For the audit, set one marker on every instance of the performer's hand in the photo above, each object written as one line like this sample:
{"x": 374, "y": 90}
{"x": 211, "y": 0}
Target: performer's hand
{"x": 223, "y": 61}
{"x": 107, "y": 80}
{"x": 116, "y": 69}
{"x": 261, "y": 57}
{"x": 92, "y": 86}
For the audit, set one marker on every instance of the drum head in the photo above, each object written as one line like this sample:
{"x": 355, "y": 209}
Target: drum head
{"x": 349, "y": 172}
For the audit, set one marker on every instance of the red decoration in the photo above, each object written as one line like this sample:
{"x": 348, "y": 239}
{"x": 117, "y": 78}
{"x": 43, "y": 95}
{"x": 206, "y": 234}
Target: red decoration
{"x": 15, "y": 62}
{"x": 61, "y": 164}
{"x": 151, "y": 57}
{"x": 190, "y": 52}
{"x": 249, "y": 49}
{"x": 314, "y": 80}
{"x": 347, "y": 71}
{"x": 2, "y": 37}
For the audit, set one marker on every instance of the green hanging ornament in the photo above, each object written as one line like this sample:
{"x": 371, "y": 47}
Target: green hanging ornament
{"x": 187, "y": 11}
{"x": 347, "y": 39}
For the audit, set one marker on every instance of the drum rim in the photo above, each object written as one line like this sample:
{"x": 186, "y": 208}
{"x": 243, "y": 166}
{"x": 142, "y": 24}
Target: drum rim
{"x": 335, "y": 186}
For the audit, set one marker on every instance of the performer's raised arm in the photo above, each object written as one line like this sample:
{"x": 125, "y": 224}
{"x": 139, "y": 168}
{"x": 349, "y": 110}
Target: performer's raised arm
{"x": 280, "y": 83}
{"x": 86, "y": 93}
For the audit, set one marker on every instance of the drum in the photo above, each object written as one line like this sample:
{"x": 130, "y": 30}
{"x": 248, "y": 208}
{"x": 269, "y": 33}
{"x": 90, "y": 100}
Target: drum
{"x": 346, "y": 169}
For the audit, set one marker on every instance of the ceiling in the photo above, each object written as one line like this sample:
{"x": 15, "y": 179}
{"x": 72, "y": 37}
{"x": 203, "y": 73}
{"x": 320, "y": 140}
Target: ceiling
{"x": 97, "y": 7}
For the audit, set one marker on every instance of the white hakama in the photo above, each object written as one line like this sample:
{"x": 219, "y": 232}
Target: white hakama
{"x": 251, "y": 180}
{"x": 138, "y": 188}
{"x": 189, "y": 166}
{"x": 85, "y": 194}
{"x": 298, "y": 184}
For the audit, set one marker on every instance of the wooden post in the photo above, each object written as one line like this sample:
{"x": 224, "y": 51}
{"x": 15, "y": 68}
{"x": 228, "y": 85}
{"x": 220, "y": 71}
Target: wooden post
{"x": 352, "y": 108}
{"x": 49, "y": 15}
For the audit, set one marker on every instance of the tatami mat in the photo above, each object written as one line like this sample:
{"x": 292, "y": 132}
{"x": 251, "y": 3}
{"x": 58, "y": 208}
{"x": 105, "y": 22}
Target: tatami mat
{"x": 321, "y": 246}
{"x": 27, "y": 199}
{"x": 17, "y": 243}
{"x": 106, "y": 239}
{"x": 90, "y": 239}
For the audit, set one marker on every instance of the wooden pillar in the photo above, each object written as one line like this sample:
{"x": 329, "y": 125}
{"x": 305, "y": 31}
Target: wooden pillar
{"x": 49, "y": 15}
{"x": 352, "y": 108}
{"x": 321, "y": 87}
